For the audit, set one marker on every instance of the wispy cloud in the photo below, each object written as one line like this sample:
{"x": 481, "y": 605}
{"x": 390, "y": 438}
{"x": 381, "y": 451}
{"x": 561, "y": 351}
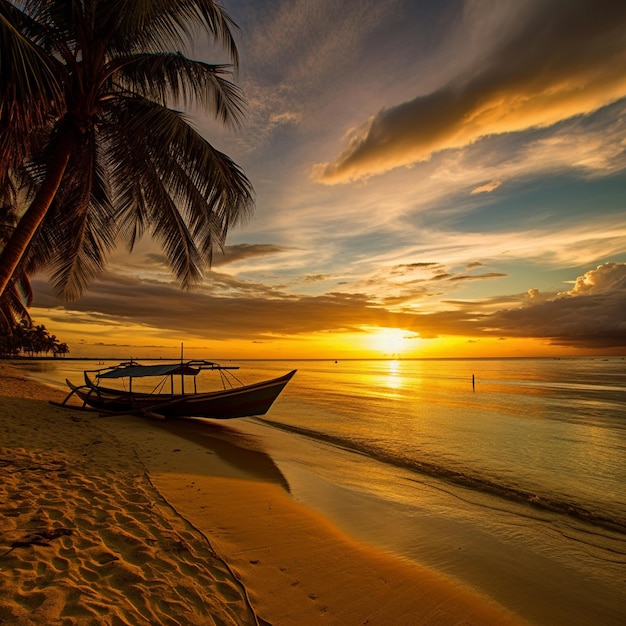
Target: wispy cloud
{"x": 548, "y": 245}
{"x": 565, "y": 58}
{"x": 293, "y": 53}
{"x": 487, "y": 187}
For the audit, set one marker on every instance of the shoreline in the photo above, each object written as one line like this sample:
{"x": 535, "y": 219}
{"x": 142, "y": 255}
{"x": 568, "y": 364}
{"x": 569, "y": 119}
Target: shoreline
{"x": 130, "y": 520}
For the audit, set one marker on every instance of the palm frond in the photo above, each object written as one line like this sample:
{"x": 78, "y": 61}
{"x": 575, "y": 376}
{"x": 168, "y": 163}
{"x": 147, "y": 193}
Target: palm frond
{"x": 18, "y": 296}
{"x": 176, "y": 240}
{"x": 80, "y": 228}
{"x": 30, "y": 91}
{"x": 162, "y": 25}
{"x": 170, "y": 229}
{"x": 13, "y": 304}
{"x": 207, "y": 191}
{"x": 172, "y": 77}
{"x": 142, "y": 197}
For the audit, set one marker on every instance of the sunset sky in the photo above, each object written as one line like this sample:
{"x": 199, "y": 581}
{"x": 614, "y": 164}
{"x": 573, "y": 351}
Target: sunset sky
{"x": 433, "y": 179}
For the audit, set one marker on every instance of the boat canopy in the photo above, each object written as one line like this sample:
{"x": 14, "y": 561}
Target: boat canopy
{"x": 138, "y": 371}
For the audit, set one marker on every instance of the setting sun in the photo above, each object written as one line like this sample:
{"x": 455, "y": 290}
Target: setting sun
{"x": 392, "y": 340}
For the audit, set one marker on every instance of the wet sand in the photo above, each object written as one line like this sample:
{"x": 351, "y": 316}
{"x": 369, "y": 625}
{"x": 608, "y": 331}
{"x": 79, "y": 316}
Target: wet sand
{"x": 124, "y": 520}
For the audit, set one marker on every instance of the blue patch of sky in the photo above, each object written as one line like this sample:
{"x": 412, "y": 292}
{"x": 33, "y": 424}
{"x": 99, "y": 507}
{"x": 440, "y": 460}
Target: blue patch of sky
{"x": 560, "y": 200}
{"x": 520, "y": 277}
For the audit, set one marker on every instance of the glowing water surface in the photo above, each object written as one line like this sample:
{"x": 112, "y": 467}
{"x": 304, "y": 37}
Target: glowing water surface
{"x": 513, "y": 484}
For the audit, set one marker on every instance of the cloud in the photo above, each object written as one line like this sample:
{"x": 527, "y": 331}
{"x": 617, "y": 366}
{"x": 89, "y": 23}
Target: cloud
{"x": 288, "y": 117}
{"x": 564, "y": 58}
{"x": 291, "y": 59}
{"x": 487, "y": 187}
{"x": 590, "y": 315}
{"x": 486, "y": 275}
{"x": 422, "y": 264}
{"x": 252, "y": 311}
{"x": 315, "y": 278}
{"x": 245, "y": 251}
{"x": 607, "y": 278}
{"x": 557, "y": 245}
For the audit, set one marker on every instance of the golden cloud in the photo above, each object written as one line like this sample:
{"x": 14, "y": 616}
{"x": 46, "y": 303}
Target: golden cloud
{"x": 565, "y": 59}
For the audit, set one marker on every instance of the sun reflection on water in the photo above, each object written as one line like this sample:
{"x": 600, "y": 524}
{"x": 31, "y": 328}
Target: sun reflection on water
{"x": 394, "y": 380}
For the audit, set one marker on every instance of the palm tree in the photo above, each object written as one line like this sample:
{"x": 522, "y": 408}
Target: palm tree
{"x": 89, "y": 87}
{"x": 30, "y": 339}
{"x": 60, "y": 348}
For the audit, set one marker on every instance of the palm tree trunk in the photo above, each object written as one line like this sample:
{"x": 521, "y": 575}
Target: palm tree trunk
{"x": 27, "y": 226}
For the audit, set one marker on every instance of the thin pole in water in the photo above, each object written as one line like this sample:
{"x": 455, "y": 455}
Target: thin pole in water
{"x": 182, "y": 375}
{"x": 473, "y": 383}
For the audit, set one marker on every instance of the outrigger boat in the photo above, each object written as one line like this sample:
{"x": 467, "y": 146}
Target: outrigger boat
{"x": 234, "y": 400}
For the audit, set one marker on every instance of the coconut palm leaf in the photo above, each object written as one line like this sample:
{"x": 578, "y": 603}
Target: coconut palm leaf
{"x": 171, "y": 77}
{"x": 203, "y": 190}
{"x": 98, "y": 172}
{"x": 165, "y": 25}
{"x": 26, "y": 76}
{"x": 15, "y": 300}
{"x": 81, "y": 224}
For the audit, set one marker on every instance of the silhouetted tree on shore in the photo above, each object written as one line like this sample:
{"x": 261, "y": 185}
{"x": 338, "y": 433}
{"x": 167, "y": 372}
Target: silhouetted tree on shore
{"x": 28, "y": 339}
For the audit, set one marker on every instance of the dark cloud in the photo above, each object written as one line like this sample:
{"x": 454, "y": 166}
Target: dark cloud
{"x": 486, "y": 275}
{"x": 248, "y": 313}
{"x": 409, "y": 269}
{"x": 564, "y": 58}
{"x": 419, "y": 265}
{"x": 244, "y": 251}
{"x": 437, "y": 273}
{"x": 583, "y": 321}
{"x": 590, "y": 315}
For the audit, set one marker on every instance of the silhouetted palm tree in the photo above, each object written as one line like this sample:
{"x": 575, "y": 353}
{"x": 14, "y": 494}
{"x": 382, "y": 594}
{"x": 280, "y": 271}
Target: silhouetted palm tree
{"x": 86, "y": 90}
{"x": 61, "y": 348}
{"x": 30, "y": 340}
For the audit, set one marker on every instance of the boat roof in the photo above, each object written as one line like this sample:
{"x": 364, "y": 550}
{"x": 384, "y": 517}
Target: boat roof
{"x": 137, "y": 371}
{"x": 132, "y": 369}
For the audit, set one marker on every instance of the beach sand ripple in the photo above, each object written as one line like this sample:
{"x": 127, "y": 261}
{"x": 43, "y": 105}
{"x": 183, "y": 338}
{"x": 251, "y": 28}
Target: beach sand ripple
{"x": 84, "y": 540}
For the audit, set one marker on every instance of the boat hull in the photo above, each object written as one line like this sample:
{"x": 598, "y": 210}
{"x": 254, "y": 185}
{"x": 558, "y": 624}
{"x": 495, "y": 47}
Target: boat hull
{"x": 244, "y": 401}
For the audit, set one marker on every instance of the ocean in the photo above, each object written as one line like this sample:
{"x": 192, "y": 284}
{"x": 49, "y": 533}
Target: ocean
{"x": 508, "y": 475}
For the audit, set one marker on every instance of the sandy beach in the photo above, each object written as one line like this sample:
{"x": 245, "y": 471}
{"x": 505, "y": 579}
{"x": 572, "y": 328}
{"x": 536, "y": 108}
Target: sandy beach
{"x": 124, "y": 520}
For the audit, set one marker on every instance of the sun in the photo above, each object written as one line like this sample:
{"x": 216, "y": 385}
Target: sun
{"x": 392, "y": 341}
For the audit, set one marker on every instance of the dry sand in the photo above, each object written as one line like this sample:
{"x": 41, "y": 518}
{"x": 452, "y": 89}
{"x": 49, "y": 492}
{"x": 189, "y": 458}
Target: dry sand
{"x": 124, "y": 520}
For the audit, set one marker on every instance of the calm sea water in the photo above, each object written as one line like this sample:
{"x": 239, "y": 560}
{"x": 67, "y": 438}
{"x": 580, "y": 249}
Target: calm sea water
{"x": 514, "y": 483}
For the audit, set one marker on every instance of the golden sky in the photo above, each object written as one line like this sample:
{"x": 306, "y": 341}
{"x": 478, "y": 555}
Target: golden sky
{"x": 432, "y": 179}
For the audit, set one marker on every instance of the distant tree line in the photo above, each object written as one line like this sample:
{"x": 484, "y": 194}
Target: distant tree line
{"x": 28, "y": 339}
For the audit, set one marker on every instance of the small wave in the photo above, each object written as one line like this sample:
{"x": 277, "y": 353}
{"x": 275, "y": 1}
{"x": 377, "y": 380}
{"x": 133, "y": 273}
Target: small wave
{"x": 457, "y": 477}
